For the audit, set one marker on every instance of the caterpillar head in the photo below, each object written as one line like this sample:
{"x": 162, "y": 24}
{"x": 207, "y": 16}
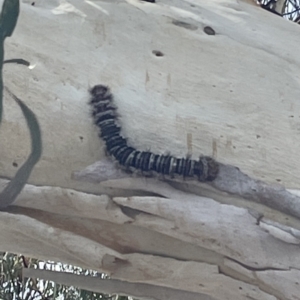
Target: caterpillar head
{"x": 100, "y": 92}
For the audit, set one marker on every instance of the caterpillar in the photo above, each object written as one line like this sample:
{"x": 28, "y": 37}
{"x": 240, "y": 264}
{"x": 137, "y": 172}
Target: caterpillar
{"x": 105, "y": 117}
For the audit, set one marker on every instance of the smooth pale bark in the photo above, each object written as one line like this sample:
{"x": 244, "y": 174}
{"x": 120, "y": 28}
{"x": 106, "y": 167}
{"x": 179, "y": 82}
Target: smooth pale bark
{"x": 232, "y": 95}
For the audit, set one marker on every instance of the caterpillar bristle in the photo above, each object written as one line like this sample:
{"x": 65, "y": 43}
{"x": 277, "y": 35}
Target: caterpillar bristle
{"x": 104, "y": 113}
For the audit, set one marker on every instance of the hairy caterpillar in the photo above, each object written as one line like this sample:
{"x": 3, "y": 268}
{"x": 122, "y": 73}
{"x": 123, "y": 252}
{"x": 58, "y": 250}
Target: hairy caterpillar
{"x": 104, "y": 115}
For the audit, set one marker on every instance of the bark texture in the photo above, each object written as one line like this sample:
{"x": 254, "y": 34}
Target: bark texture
{"x": 217, "y": 78}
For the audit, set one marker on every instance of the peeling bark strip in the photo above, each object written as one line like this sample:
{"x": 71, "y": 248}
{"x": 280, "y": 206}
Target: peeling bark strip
{"x": 104, "y": 114}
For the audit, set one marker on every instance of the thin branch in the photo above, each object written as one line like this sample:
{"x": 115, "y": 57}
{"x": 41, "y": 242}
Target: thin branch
{"x": 111, "y": 286}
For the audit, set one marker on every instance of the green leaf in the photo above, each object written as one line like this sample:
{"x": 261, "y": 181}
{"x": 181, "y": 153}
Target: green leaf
{"x": 11, "y": 191}
{"x": 8, "y": 17}
{"x": 8, "y": 20}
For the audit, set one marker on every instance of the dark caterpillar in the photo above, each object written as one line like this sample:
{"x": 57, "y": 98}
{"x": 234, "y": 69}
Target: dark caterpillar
{"x": 104, "y": 114}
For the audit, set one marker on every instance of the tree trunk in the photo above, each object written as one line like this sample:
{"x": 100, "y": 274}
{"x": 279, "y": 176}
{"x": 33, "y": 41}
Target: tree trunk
{"x": 214, "y": 78}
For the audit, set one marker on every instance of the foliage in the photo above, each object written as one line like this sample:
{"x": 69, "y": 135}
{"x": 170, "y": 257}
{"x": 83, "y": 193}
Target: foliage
{"x": 14, "y": 287}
